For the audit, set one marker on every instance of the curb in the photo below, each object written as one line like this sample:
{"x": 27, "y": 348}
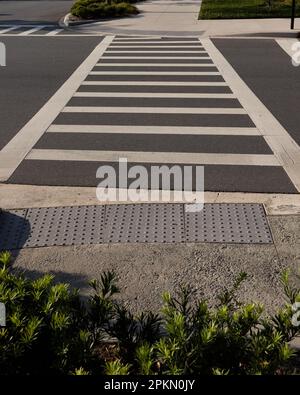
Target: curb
{"x": 14, "y": 196}
{"x": 66, "y": 22}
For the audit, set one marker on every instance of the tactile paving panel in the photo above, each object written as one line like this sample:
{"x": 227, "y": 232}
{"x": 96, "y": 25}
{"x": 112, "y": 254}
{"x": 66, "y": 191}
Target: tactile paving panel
{"x": 13, "y": 229}
{"x": 144, "y": 223}
{"x": 228, "y": 223}
{"x": 133, "y": 223}
{"x": 65, "y": 226}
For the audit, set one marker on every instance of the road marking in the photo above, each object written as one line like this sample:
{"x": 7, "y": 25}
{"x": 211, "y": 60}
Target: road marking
{"x": 15, "y": 151}
{"x": 155, "y": 64}
{"x": 154, "y": 73}
{"x": 196, "y": 130}
{"x": 200, "y": 47}
{"x": 279, "y": 146}
{"x": 57, "y": 36}
{"x": 157, "y": 51}
{"x": 157, "y": 95}
{"x": 153, "y": 157}
{"x": 8, "y": 29}
{"x": 30, "y": 31}
{"x": 23, "y": 25}
{"x": 157, "y": 57}
{"x": 156, "y": 83}
{"x": 286, "y": 45}
{"x": 54, "y": 32}
{"x": 138, "y": 38}
{"x": 155, "y": 42}
{"x": 281, "y": 143}
{"x": 152, "y": 110}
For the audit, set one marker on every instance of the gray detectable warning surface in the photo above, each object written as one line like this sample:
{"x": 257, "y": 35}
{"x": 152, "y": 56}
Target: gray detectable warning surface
{"x": 228, "y": 223}
{"x": 133, "y": 223}
{"x": 65, "y": 226}
{"x": 145, "y": 223}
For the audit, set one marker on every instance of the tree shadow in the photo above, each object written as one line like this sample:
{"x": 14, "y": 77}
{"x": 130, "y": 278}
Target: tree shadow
{"x": 76, "y": 281}
{"x": 14, "y": 229}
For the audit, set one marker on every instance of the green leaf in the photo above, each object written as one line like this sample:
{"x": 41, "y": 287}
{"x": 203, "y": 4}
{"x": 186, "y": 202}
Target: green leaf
{"x": 116, "y": 368}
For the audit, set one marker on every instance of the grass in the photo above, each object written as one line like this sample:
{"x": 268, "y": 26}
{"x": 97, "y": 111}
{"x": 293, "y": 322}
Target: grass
{"x": 239, "y": 9}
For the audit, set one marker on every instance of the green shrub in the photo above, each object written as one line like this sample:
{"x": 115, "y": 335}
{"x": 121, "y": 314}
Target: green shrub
{"x": 95, "y": 9}
{"x": 45, "y": 325}
{"x": 50, "y": 331}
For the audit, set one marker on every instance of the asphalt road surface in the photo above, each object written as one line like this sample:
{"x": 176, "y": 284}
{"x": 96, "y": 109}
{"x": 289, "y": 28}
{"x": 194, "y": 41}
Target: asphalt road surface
{"x": 33, "y": 12}
{"x": 36, "y": 68}
{"x": 163, "y": 101}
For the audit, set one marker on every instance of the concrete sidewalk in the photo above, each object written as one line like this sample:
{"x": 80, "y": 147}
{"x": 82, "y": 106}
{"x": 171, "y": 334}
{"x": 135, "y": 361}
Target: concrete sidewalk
{"x": 146, "y": 270}
{"x": 159, "y": 17}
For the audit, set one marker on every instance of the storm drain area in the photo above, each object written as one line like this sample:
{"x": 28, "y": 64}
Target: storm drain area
{"x": 133, "y": 223}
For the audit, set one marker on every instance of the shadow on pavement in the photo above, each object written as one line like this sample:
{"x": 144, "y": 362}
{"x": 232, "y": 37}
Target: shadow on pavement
{"x": 14, "y": 229}
{"x": 79, "y": 281}
{"x": 14, "y": 232}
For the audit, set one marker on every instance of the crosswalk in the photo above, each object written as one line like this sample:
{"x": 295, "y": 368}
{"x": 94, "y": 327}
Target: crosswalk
{"x": 156, "y": 101}
{"x": 39, "y": 31}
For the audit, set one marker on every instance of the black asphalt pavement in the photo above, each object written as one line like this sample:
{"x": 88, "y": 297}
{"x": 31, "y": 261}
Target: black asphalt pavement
{"x": 40, "y": 65}
{"x": 268, "y": 71}
{"x": 33, "y": 12}
{"x": 217, "y": 178}
{"x": 36, "y": 68}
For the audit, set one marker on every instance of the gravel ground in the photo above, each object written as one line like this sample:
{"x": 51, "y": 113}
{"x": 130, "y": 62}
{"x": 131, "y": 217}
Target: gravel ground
{"x": 146, "y": 270}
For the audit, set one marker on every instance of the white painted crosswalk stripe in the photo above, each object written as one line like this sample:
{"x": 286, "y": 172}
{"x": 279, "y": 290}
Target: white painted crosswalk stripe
{"x": 54, "y": 32}
{"x": 155, "y": 73}
{"x": 28, "y": 30}
{"x": 120, "y": 64}
{"x": 31, "y": 31}
{"x": 162, "y": 46}
{"x": 157, "y": 57}
{"x": 173, "y": 130}
{"x": 153, "y": 157}
{"x": 152, "y": 110}
{"x": 156, "y": 83}
{"x": 157, "y": 95}
{"x": 8, "y": 29}
{"x": 161, "y": 42}
{"x": 157, "y": 51}
{"x": 141, "y": 38}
